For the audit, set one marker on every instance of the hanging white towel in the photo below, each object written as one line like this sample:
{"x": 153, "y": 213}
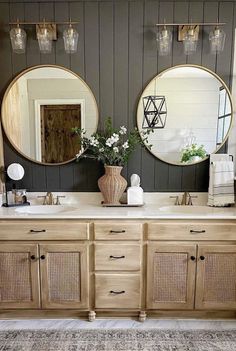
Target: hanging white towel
{"x": 221, "y": 183}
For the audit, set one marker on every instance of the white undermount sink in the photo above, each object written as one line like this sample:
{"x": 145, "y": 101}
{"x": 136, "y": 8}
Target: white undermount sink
{"x": 44, "y": 209}
{"x": 186, "y": 210}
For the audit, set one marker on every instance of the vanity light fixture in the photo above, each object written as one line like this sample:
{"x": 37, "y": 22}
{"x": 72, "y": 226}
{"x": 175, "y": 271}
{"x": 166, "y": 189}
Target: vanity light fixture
{"x": 217, "y": 40}
{"x": 46, "y": 32}
{"x": 18, "y": 39}
{"x": 155, "y": 112}
{"x": 164, "y": 41}
{"x": 188, "y": 33}
{"x": 70, "y": 36}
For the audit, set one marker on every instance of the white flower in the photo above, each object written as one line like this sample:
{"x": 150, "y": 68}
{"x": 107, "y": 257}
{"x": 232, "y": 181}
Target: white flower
{"x": 115, "y": 149}
{"x": 123, "y": 130}
{"x": 94, "y": 141}
{"x": 109, "y": 142}
{"x": 112, "y": 140}
{"x": 125, "y": 145}
{"x": 115, "y": 137}
{"x": 101, "y": 150}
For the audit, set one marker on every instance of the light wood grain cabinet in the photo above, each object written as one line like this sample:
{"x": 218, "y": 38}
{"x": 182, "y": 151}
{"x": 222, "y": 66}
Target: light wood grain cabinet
{"x": 171, "y": 276}
{"x": 50, "y": 276}
{"x": 19, "y": 276}
{"x": 64, "y": 275}
{"x": 216, "y": 277}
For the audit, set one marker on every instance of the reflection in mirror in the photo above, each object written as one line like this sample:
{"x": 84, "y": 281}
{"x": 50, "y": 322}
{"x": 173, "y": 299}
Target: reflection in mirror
{"x": 189, "y": 110}
{"x": 41, "y": 107}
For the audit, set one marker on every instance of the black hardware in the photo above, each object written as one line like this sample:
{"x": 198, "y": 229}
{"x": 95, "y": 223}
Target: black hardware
{"x": 202, "y": 258}
{"x": 117, "y": 257}
{"x": 32, "y": 257}
{"x": 117, "y": 231}
{"x": 117, "y": 292}
{"x": 197, "y": 231}
{"x": 154, "y": 111}
{"x": 193, "y": 258}
{"x": 42, "y": 257}
{"x": 37, "y": 231}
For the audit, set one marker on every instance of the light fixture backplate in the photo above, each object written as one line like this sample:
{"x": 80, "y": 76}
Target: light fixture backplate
{"x": 182, "y": 30}
{"x": 52, "y": 28}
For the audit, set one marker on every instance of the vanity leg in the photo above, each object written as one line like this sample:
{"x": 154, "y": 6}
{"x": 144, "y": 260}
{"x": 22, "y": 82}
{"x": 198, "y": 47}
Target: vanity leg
{"x": 91, "y": 316}
{"x": 142, "y": 316}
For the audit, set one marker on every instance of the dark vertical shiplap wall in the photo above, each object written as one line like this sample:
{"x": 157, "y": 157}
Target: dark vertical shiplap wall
{"x": 117, "y": 57}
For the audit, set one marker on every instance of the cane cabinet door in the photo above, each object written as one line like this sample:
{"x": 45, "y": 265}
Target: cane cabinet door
{"x": 216, "y": 277}
{"x": 64, "y": 275}
{"x": 19, "y": 276}
{"x": 171, "y": 276}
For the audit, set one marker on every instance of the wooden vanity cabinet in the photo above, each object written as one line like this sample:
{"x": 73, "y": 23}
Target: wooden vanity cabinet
{"x": 216, "y": 277}
{"x": 19, "y": 276}
{"x": 64, "y": 275}
{"x": 171, "y": 276}
{"x": 117, "y": 268}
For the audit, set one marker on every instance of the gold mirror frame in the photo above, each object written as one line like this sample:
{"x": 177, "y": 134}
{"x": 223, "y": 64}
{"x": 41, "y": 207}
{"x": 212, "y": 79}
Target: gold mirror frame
{"x": 6, "y": 93}
{"x": 231, "y": 104}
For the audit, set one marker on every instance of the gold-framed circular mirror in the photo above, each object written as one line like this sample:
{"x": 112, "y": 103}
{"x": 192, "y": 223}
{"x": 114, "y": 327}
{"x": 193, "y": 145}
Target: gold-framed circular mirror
{"x": 189, "y": 110}
{"x": 39, "y": 109}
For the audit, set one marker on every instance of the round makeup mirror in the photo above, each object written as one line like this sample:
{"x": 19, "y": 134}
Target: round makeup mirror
{"x": 189, "y": 109}
{"x": 39, "y": 110}
{"x": 15, "y": 171}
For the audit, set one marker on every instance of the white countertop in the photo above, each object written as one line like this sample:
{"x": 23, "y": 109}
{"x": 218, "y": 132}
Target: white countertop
{"x": 88, "y": 206}
{"x": 146, "y": 212}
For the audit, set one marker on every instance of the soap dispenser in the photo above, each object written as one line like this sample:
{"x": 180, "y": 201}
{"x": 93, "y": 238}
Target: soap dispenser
{"x": 135, "y": 192}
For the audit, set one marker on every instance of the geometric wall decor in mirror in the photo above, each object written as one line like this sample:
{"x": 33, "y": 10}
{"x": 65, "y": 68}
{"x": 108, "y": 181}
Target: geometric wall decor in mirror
{"x": 189, "y": 109}
{"x": 39, "y": 110}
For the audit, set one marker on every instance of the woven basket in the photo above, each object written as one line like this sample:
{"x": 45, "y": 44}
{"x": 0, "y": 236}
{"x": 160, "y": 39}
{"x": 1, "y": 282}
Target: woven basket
{"x": 112, "y": 184}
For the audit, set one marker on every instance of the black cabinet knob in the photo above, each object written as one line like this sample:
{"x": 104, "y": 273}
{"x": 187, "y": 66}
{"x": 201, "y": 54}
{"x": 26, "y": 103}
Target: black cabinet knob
{"x": 32, "y": 257}
{"x": 193, "y": 258}
{"x": 42, "y": 257}
{"x": 202, "y": 258}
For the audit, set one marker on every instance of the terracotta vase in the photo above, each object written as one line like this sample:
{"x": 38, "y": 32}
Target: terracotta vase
{"x": 112, "y": 184}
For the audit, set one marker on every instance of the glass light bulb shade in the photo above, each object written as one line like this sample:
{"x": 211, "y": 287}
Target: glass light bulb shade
{"x": 45, "y": 41}
{"x": 190, "y": 42}
{"x": 164, "y": 42}
{"x": 70, "y": 36}
{"x": 18, "y": 40}
{"x": 217, "y": 40}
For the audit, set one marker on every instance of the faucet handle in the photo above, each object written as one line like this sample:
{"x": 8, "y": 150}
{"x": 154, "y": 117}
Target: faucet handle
{"x": 190, "y": 202}
{"x": 176, "y": 199}
{"x": 58, "y": 199}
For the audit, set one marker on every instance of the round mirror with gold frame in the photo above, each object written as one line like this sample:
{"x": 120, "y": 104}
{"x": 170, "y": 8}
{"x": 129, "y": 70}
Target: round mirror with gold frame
{"x": 189, "y": 111}
{"x": 41, "y": 106}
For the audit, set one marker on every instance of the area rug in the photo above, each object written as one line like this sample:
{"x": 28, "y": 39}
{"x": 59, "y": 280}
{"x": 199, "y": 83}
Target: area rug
{"x": 117, "y": 340}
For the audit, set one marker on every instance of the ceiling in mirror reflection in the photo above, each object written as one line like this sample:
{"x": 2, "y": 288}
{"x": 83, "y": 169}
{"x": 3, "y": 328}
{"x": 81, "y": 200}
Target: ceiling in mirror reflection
{"x": 41, "y": 107}
{"x": 189, "y": 110}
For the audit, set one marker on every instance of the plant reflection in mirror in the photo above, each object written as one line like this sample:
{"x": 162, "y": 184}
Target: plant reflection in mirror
{"x": 193, "y": 153}
{"x": 112, "y": 146}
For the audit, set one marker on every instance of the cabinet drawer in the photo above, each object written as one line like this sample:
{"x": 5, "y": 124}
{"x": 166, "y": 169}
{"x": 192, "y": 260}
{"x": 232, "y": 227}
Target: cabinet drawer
{"x": 121, "y": 257}
{"x": 118, "y": 231}
{"x": 117, "y": 291}
{"x": 43, "y": 230}
{"x": 191, "y": 231}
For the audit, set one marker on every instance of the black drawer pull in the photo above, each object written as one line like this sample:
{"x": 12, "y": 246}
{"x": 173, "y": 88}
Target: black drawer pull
{"x": 32, "y": 257}
{"x": 117, "y": 292}
{"x": 197, "y": 231}
{"x": 193, "y": 258}
{"x": 117, "y": 231}
{"x": 43, "y": 257}
{"x": 117, "y": 257}
{"x": 37, "y": 231}
{"x": 202, "y": 258}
